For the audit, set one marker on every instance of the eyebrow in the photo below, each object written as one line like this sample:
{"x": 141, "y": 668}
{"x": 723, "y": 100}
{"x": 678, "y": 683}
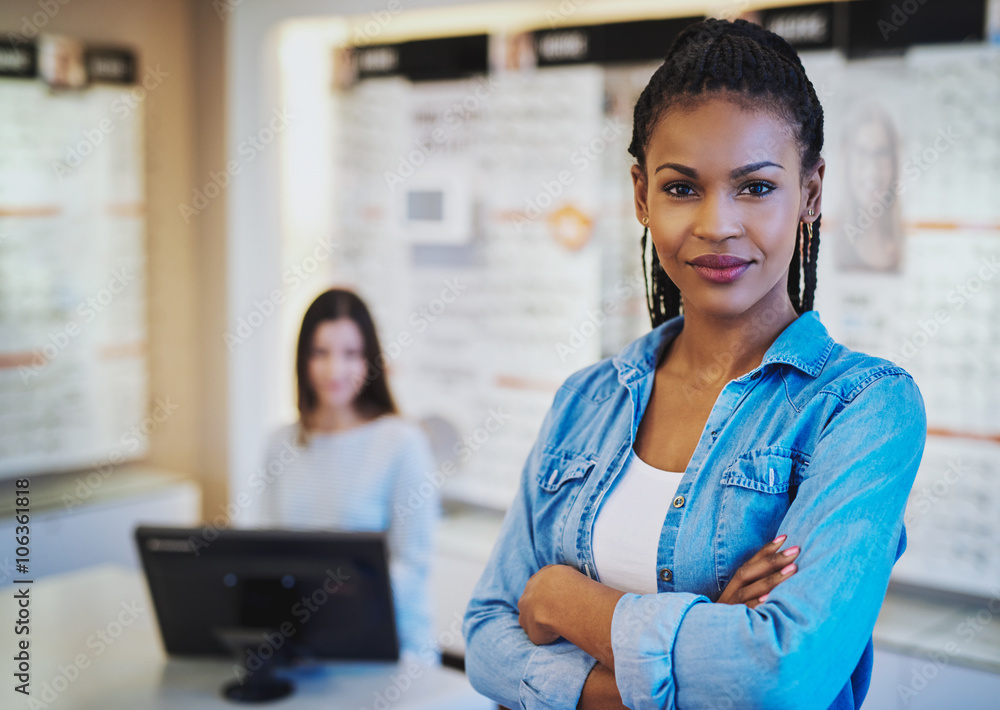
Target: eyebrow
{"x": 737, "y": 173}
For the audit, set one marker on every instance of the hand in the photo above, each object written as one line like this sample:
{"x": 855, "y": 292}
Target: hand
{"x": 540, "y": 600}
{"x": 760, "y": 574}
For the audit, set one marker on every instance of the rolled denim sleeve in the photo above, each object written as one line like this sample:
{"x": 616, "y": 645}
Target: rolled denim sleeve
{"x": 798, "y": 649}
{"x": 644, "y": 628}
{"x": 501, "y": 661}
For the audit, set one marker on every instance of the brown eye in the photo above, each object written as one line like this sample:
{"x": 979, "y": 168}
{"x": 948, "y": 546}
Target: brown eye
{"x": 678, "y": 185}
{"x": 766, "y": 186}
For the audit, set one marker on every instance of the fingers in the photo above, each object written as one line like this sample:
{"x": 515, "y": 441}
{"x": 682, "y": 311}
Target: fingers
{"x": 765, "y": 553}
{"x": 766, "y": 562}
{"x": 768, "y": 567}
{"x": 758, "y": 592}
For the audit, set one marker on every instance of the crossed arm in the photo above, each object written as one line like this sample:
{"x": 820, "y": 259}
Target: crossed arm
{"x": 559, "y": 601}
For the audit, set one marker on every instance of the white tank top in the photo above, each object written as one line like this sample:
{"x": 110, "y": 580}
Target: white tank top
{"x": 628, "y": 524}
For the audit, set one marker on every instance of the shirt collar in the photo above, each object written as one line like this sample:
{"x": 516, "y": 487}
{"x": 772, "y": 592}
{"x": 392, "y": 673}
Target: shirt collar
{"x": 804, "y": 344}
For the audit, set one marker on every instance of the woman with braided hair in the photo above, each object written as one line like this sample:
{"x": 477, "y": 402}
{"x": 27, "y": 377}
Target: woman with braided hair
{"x": 643, "y": 562}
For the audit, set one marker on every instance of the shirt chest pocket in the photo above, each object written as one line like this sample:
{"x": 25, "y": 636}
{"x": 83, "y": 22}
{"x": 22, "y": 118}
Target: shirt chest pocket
{"x": 558, "y": 468}
{"x": 758, "y": 488}
{"x": 561, "y": 476}
{"x": 765, "y": 472}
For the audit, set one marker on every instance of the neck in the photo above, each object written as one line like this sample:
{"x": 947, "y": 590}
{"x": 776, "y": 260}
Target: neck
{"x": 327, "y": 418}
{"x": 712, "y": 350}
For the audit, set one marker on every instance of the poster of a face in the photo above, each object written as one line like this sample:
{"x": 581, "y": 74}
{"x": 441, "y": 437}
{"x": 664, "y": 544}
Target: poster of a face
{"x": 512, "y": 52}
{"x": 345, "y": 68}
{"x": 872, "y": 236}
{"x": 60, "y": 62}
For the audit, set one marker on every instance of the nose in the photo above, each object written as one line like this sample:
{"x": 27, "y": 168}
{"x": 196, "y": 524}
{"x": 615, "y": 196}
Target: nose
{"x": 343, "y": 369}
{"x": 337, "y": 367}
{"x": 329, "y": 365}
{"x": 717, "y": 218}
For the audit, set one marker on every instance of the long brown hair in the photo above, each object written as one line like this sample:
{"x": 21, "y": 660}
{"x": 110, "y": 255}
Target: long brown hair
{"x": 374, "y": 399}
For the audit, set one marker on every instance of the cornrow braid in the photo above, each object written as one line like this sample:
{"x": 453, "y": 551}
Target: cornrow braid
{"x": 794, "y": 271}
{"x": 806, "y": 252}
{"x": 809, "y": 286}
{"x": 665, "y": 296}
{"x": 759, "y": 69}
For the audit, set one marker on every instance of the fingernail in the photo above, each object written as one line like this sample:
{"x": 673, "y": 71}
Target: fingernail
{"x": 788, "y": 569}
{"x": 763, "y": 598}
{"x": 779, "y": 538}
{"x": 790, "y": 551}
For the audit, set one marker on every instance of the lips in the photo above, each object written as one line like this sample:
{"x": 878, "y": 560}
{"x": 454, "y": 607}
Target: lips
{"x": 720, "y": 268}
{"x": 718, "y": 261}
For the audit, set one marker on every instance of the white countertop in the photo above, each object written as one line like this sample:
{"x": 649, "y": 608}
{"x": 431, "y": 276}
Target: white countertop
{"x": 94, "y": 645}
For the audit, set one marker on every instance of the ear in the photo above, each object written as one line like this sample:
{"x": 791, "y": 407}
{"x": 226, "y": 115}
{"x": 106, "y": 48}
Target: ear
{"x": 639, "y": 189}
{"x": 812, "y": 193}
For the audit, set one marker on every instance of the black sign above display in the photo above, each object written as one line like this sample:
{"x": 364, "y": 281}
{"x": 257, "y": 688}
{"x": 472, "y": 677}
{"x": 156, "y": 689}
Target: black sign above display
{"x": 18, "y": 59}
{"x": 377, "y": 60}
{"x": 886, "y": 26}
{"x": 806, "y": 26}
{"x": 638, "y": 41}
{"x": 858, "y": 28}
{"x": 425, "y": 59}
{"x": 116, "y": 66}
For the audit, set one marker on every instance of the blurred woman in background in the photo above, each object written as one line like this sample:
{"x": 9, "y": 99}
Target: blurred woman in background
{"x": 359, "y": 464}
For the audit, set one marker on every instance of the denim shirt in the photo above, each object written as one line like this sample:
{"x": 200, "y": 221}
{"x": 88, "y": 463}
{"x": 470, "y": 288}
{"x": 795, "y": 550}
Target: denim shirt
{"x": 819, "y": 442}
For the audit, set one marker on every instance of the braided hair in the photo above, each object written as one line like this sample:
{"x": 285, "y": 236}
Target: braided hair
{"x": 763, "y": 71}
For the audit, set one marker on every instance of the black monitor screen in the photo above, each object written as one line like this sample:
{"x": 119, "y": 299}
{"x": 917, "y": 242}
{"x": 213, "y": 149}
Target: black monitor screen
{"x": 318, "y": 594}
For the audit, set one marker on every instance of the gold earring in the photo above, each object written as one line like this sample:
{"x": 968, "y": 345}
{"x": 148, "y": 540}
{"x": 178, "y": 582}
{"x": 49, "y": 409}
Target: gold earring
{"x": 811, "y": 213}
{"x": 805, "y": 245}
{"x": 645, "y": 220}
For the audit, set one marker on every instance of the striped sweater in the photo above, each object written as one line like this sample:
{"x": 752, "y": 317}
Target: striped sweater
{"x": 372, "y": 477}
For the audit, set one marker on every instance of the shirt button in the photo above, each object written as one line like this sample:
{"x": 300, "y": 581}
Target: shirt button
{"x": 679, "y": 502}
{"x": 755, "y": 375}
{"x": 666, "y": 575}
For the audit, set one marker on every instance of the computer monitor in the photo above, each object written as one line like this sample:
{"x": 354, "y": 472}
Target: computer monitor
{"x": 270, "y": 596}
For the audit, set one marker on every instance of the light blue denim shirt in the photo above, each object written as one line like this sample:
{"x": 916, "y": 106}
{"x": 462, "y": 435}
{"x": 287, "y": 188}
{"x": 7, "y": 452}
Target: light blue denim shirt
{"x": 819, "y": 442}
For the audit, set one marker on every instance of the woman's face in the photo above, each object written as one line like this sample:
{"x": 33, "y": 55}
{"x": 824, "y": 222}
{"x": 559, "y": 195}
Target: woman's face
{"x": 337, "y": 366}
{"x": 724, "y": 180}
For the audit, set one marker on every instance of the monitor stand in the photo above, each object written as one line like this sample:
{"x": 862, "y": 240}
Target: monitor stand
{"x": 255, "y": 680}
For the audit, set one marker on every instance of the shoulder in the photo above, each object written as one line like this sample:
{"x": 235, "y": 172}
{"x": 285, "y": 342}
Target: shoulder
{"x": 282, "y": 434}
{"x": 587, "y": 396}
{"x": 602, "y": 380}
{"x": 847, "y": 373}
{"x": 399, "y": 432}
{"x": 407, "y": 447}
{"x": 859, "y": 390}
{"x": 396, "y": 426}
{"x": 594, "y": 383}
{"x": 814, "y": 367}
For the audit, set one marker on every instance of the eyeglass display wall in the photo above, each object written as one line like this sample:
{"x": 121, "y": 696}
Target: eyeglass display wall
{"x": 73, "y": 372}
{"x": 472, "y": 228}
{"x": 910, "y": 271}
